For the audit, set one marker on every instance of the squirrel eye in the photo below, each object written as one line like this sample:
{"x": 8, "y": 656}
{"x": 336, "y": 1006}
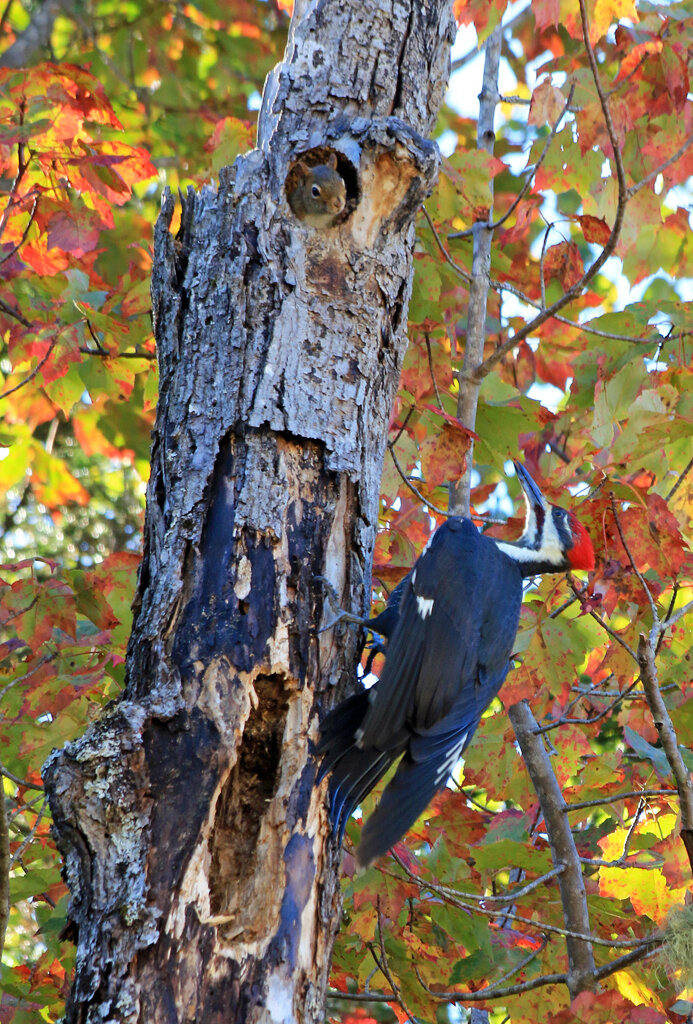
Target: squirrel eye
{"x": 316, "y": 190}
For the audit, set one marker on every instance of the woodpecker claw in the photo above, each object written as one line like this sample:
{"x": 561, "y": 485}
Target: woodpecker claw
{"x": 340, "y": 615}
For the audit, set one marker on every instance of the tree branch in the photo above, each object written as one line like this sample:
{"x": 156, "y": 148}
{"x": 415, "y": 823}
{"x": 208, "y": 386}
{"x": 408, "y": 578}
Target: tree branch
{"x": 641, "y": 578}
{"x": 4, "y": 868}
{"x": 30, "y": 376}
{"x": 680, "y": 480}
{"x": 662, "y": 167}
{"x": 667, "y": 736}
{"x": 485, "y": 368}
{"x": 598, "y": 801}
{"x": 468, "y": 398}
{"x": 563, "y": 850}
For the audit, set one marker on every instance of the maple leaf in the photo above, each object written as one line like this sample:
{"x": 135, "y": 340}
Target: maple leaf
{"x": 546, "y": 105}
{"x": 564, "y": 262}
{"x": 594, "y": 229}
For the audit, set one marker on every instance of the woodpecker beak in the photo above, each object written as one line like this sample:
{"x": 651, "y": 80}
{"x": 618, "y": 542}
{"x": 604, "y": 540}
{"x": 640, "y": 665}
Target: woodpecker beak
{"x": 534, "y": 496}
{"x": 536, "y": 509}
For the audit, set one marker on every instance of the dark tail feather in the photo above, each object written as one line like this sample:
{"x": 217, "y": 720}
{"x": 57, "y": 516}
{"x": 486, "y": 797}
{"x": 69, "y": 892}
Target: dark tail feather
{"x": 338, "y": 729}
{"x": 354, "y": 771}
{"x": 405, "y": 797}
{"x": 352, "y": 781}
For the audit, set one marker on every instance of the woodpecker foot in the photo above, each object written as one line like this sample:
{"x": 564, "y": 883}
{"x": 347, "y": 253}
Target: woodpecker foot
{"x": 340, "y": 615}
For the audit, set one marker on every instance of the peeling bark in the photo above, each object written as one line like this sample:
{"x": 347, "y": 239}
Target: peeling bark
{"x": 203, "y": 883}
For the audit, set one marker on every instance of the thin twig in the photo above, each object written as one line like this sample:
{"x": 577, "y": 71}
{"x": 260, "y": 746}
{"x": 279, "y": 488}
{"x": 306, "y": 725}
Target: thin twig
{"x": 430, "y": 370}
{"x": 680, "y": 480}
{"x": 641, "y": 578}
{"x": 14, "y": 314}
{"x": 596, "y": 862}
{"x": 585, "y": 721}
{"x": 673, "y": 619}
{"x": 491, "y": 991}
{"x": 542, "y": 156}
{"x": 607, "y": 629}
{"x": 410, "y": 485}
{"x": 509, "y": 897}
{"x": 17, "y": 780}
{"x": 105, "y": 354}
{"x": 8, "y": 255}
{"x": 17, "y": 855}
{"x": 385, "y": 968}
{"x": 446, "y": 255}
{"x": 598, "y": 801}
{"x": 362, "y": 997}
{"x": 30, "y": 376}
{"x": 662, "y": 167}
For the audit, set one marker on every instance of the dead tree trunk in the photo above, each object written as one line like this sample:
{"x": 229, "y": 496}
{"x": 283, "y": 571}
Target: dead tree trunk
{"x": 203, "y": 885}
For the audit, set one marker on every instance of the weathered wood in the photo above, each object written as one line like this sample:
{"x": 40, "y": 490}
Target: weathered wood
{"x": 203, "y": 885}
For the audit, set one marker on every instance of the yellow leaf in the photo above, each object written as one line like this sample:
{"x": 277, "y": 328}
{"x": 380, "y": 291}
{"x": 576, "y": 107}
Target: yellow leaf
{"x": 608, "y": 11}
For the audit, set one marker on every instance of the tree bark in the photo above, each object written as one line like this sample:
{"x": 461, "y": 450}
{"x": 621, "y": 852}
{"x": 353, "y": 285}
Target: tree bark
{"x": 203, "y": 883}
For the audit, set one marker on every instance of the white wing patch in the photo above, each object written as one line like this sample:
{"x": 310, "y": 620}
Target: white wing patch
{"x": 425, "y": 606}
{"x": 450, "y": 761}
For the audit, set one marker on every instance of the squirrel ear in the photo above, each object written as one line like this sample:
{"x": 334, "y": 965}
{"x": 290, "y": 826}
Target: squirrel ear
{"x": 332, "y": 161}
{"x": 303, "y": 168}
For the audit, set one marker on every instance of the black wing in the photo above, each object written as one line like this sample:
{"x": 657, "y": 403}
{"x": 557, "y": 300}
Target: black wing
{"x": 447, "y": 656}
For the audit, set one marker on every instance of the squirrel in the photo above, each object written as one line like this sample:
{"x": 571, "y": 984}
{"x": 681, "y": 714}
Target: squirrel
{"x": 319, "y": 195}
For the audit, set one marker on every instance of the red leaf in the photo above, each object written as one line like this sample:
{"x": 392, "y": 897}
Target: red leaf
{"x": 594, "y": 229}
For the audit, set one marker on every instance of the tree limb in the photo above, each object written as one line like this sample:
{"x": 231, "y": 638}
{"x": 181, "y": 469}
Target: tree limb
{"x": 4, "y": 868}
{"x": 563, "y": 850}
{"x": 667, "y": 736}
{"x": 468, "y": 397}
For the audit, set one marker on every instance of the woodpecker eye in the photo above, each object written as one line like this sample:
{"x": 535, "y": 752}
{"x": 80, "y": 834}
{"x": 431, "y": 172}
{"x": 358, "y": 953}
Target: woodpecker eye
{"x": 316, "y": 191}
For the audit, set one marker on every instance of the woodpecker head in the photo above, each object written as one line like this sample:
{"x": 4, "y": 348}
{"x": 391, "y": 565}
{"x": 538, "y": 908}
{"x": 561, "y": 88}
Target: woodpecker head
{"x": 553, "y": 540}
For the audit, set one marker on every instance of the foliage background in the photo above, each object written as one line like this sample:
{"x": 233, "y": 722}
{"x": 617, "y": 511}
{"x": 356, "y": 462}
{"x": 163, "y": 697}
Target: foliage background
{"x": 125, "y": 98}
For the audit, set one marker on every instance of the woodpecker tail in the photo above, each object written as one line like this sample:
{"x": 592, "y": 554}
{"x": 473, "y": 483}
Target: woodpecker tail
{"x": 355, "y": 771}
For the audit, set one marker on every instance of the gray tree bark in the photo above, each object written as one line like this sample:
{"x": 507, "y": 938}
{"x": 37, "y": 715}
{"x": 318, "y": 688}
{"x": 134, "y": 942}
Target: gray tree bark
{"x": 204, "y": 886}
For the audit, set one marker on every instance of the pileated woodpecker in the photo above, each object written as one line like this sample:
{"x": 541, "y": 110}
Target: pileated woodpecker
{"x": 450, "y": 627}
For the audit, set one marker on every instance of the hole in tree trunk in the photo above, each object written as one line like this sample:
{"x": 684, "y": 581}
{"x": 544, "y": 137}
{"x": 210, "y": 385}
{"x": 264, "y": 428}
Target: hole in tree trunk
{"x": 244, "y": 802}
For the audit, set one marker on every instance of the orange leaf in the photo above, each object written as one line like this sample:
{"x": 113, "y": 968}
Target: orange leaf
{"x": 594, "y": 229}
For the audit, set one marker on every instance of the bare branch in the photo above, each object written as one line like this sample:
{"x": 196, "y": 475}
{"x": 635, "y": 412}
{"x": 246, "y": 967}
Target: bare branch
{"x": 667, "y": 737}
{"x": 641, "y": 578}
{"x": 598, "y": 801}
{"x": 410, "y": 485}
{"x": 17, "y": 855}
{"x": 673, "y": 619}
{"x": 10, "y": 253}
{"x": 362, "y": 997}
{"x": 644, "y": 950}
{"x": 546, "y": 314}
{"x": 468, "y": 398}
{"x": 563, "y": 850}
{"x": 607, "y": 629}
{"x": 446, "y": 255}
{"x": 17, "y": 780}
{"x": 496, "y": 990}
{"x": 508, "y": 897}
{"x": 384, "y": 967}
{"x": 430, "y": 370}
{"x": 4, "y": 869}
{"x": 30, "y": 376}
{"x": 662, "y": 167}
{"x": 680, "y": 480}
{"x": 564, "y": 720}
